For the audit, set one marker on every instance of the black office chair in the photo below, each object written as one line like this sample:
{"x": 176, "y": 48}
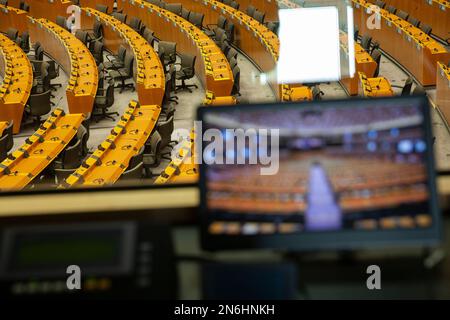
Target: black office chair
{"x": 426, "y": 28}
{"x": 103, "y": 101}
{"x": 12, "y": 33}
{"x": 136, "y": 24}
{"x": 402, "y": 14}
{"x": 120, "y": 16}
{"x": 225, "y": 47}
{"x": 38, "y": 105}
{"x": 165, "y": 129}
{"x": 38, "y": 52}
{"x": 221, "y": 37}
{"x": 134, "y": 173}
{"x": 237, "y": 79}
{"x": 234, "y": 5}
{"x": 366, "y": 41}
{"x": 250, "y": 10}
{"x": 168, "y": 89}
{"x": 376, "y": 56}
{"x": 26, "y": 7}
{"x": 419, "y": 91}
{"x": 174, "y": 8}
{"x": 317, "y": 93}
{"x": 232, "y": 53}
{"x": 9, "y": 131}
{"x": 96, "y": 34}
{"x": 53, "y": 73}
{"x": 148, "y": 35}
{"x": 83, "y": 36}
{"x": 172, "y": 76}
{"x": 61, "y": 21}
{"x": 101, "y": 7}
{"x": 152, "y": 153}
{"x": 97, "y": 52}
{"x": 259, "y": 16}
{"x": 117, "y": 61}
{"x": 186, "y": 72}
{"x": 3, "y": 148}
{"x": 230, "y": 32}
{"x": 380, "y": 3}
{"x": 71, "y": 157}
{"x": 406, "y": 90}
{"x": 391, "y": 9}
{"x": 272, "y": 26}
{"x": 4, "y": 2}
{"x": 415, "y": 22}
{"x": 136, "y": 159}
{"x": 196, "y": 19}
{"x": 185, "y": 14}
{"x": 233, "y": 62}
{"x": 25, "y": 41}
{"x": 124, "y": 74}
{"x": 221, "y": 23}
{"x": 356, "y": 33}
{"x": 169, "y": 51}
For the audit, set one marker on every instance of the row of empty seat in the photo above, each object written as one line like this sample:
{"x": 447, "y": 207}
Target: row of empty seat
{"x": 17, "y": 74}
{"x": 23, "y": 165}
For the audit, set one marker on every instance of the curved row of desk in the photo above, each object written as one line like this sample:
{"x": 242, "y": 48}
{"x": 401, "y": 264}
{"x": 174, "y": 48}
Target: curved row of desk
{"x": 408, "y": 45}
{"x": 253, "y": 38}
{"x": 17, "y": 74}
{"x": 268, "y": 7}
{"x": 11, "y": 17}
{"x": 149, "y": 76}
{"x": 39, "y": 150}
{"x": 110, "y": 160}
{"x": 435, "y": 13}
{"x": 212, "y": 67}
{"x": 75, "y": 59}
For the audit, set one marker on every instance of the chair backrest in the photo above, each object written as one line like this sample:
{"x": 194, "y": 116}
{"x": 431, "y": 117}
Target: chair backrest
{"x": 61, "y": 21}
{"x": 406, "y": 91}
{"x": 110, "y": 94}
{"x": 3, "y": 147}
{"x": 185, "y": 13}
{"x": 259, "y": 16}
{"x": 196, "y": 19}
{"x": 169, "y": 49}
{"x": 376, "y": 56}
{"x": 25, "y": 41}
{"x": 316, "y": 93}
{"x": 380, "y": 3}
{"x": 26, "y": 7}
{"x": 234, "y": 5}
{"x": 148, "y": 35}
{"x": 71, "y": 157}
{"x": 147, "y": 32}
{"x": 237, "y": 80}
{"x": 402, "y": 14}
{"x": 273, "y": 27}
{"x": 39, "y": 53}
{"x": 128, "y": 64}
{"x": 133, "y": 174}
{"x": 419, "y": 90}
{"x": 391, "y": 9}
{"x": 98, "y": 29}
{"x": 165, "y": 129}
{"x": 40, "y": 103}
{"x": 188, "y": 64}
{"x": 232, "y": 53}
{"x": 121, "y": 53}
{"x": 415, "y": 22}
{"x": 221, "y": 22}
{"x": 9, "y": 131}
{"x": 52, "y": 69}
{"x": 136, "y": 159}
{"x": 120, "y": 16}
{"x": 12, "y": 33}
{"x": 174, "y": 8}
{"x": 101, "y": 7}
{"x": 230, "y": 31}
{"x": 98, "y": 48}
{"x": 227, "y": 2}
{"x": 82, "y": 36}
{"x": 233, "y": 62}
{"x": 366, "y": 41}
{"x": 4, "y": 2}
{"x": 135, "y": 24}
{"x": 250, "y": 10}
{"x": 154, "y": 142}
{"x": 224, "y": 46}
{"x": 426, "y": 28}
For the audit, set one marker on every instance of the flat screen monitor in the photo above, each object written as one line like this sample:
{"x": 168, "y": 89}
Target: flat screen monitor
{"x": 327, "y": 174}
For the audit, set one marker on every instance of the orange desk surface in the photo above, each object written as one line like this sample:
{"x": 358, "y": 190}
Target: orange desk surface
{"x": 12, "y": 18}
{"x": 93, "y": 3}
{"x": 39, "y": 150}
{"x": 112, "y": 156}
{"x": 211, "y": 67}
{"x": 73, "y": 56}
{"x": 269, "y": 7}
{"x": 374, "y": 87}
{"x": 17, "y": 74}
{"x": 363, "y": 63}
{"x": 435, "y": 13}
{"x": 149, "y": 73}
{"x": 443, "y": 91}
{"x": 412, "y": 48}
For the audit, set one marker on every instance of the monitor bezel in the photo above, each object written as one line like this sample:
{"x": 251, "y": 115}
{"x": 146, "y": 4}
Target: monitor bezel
{"x": 334, "y": 240}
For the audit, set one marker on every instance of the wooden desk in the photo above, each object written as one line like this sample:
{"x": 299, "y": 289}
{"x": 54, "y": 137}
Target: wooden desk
{"x": 212, "y": 67}
{"x": 39, "y": 150}
{"x": 148, "y": 71}
{"x": 412, "y": 48}
{"x": 48, "y": 10}
{"x": 17, "y": 75}
{"x": 211, "y": 99}
{"x": 269, "y": 7}
{"x": 374, "y": 87}
{"x": 435, "y": 13}
{"x": 443, "y": 91}
{"x": 93, "y": 3}
{"x": 13, "y": 18}
{"x": 363, "y": 63}
{"x": 3, "y": 126}
{"x": 75, "y": 59}
{"x": 110, "y": 160}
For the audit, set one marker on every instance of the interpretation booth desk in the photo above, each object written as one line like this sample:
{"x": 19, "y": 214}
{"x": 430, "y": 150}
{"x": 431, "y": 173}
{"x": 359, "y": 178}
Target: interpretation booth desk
{"x": 12, "y": 18}
{"x": 363, "y": 63}
{"x": 435, "y": 13}
{"x": 374, "y": 87}
{"x": 75, "y": 59}
{"x": 110, "y": 160}
{"x": 149, "y": 72}
{"x": 39, "y": 150}
{"x": 443, "y": 91}
{"x": 410, "y": 46}
{"x": 212, "y": 67}
{"x": 269, "y": 7}
{"x": 17, "y": 74}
